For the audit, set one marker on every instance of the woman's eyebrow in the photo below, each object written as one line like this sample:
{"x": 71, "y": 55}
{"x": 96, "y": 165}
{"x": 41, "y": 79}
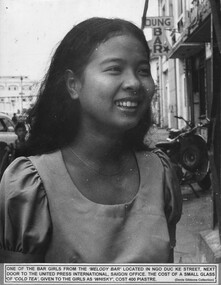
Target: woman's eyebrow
{"x": 120, "y": 60}
{"x": 112, "y": 59}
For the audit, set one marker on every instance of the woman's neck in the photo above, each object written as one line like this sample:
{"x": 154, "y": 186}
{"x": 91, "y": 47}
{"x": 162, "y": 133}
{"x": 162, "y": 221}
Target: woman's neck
{"x": 99, "y": 147}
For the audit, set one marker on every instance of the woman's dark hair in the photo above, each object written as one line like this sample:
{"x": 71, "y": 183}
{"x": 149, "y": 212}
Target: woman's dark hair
{"x": 54, "y": 119}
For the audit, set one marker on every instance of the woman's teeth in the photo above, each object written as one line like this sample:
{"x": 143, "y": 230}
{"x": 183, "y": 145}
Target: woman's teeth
{"x": 126, "y": 104}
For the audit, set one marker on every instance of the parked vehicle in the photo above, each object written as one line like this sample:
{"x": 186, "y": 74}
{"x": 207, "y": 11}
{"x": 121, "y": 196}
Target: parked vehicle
{"x": 7, "y": 133}
{"x": 189, "y": 155}
{"x": 7, "y": 138}
{"x": 173, "y": 133}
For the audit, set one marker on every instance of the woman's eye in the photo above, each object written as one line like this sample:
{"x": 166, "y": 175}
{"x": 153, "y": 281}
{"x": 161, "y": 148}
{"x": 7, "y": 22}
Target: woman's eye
{"x": 114, "y": 69}
{"x": 144, "y": 71}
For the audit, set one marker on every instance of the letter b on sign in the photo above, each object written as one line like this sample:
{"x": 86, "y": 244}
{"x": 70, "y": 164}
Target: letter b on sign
{"x": 157, "y": 31}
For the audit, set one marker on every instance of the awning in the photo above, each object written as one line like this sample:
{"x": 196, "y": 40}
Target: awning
{"x": 202, "y": 33}
{"x": 193, "y": 42}
{"x": 185, "y": 50}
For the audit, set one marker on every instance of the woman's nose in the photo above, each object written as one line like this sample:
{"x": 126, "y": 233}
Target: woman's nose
{"x": 131, "y": 81}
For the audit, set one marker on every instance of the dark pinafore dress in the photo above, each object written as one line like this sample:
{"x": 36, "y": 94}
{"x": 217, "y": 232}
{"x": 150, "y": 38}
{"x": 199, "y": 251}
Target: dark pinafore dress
{"x": 45, "y": 218}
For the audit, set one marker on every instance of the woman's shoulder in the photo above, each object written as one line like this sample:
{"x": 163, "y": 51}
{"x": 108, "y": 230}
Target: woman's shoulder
{"x": 172, "y": 191}
{"x": 24, "y": 213}
{"x": 165, "y": 160}
{"x": 157, "y": 155}
{"x": 21, "y": 178}
{"x": 26, "y": 165}
{"x": 19, "y": 166}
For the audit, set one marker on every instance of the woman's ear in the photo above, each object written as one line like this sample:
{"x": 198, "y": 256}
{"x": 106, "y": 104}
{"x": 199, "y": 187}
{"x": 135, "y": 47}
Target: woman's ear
{"x": 72, "y": 84}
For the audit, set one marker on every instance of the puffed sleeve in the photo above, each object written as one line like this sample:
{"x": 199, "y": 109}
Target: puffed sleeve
{"x": 25, "y": 222}
{"x": 172, "y": 195}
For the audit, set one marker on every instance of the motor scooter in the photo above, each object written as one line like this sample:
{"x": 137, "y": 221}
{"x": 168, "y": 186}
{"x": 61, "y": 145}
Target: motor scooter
{"x": 187, "y": 150}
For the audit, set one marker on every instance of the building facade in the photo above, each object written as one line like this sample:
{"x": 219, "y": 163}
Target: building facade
{"x": 17, "y": 94}
{"x": 189, "y": 80}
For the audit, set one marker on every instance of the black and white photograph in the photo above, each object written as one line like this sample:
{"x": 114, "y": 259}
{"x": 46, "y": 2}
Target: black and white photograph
{"x": 110, "y": 163}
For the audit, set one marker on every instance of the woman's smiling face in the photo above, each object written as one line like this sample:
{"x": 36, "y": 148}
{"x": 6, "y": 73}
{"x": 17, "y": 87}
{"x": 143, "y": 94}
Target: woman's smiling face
{"x": 116, "y": 87}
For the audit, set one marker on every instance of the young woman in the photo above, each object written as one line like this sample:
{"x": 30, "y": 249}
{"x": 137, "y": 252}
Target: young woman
{"x": 91, "y": 191}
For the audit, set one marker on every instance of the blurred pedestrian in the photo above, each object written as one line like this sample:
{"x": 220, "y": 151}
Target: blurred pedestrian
{"x": 20, "y": 143}
{"x": 14, "y": 119}
{"x": 92, "y": 191}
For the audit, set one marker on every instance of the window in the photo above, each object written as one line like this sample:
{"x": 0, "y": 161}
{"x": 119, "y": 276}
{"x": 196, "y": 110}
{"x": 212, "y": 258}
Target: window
{"x": 26, "y": 87}
{"x": 180, "y": 25}
{"x": 171, "y": 8}
{"x": 163, "y": 11}
{"x": 13, "y": 87}
{"x": 180, "y": 7}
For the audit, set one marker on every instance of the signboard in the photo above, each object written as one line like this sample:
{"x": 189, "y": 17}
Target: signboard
{"x": 160, "y": 44}
{"x": 166, "y": 22}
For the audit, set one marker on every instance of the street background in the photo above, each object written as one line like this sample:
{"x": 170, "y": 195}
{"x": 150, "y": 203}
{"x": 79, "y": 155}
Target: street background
{"x": 197, "y": 214}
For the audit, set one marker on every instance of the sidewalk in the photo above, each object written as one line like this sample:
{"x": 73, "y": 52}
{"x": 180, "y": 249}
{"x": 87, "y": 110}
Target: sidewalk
{"x": 197, "y": 215}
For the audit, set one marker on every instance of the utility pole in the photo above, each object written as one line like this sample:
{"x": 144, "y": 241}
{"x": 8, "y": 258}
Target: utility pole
{"x": 144, "y": 14}
{"x": 21, "y": 93}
